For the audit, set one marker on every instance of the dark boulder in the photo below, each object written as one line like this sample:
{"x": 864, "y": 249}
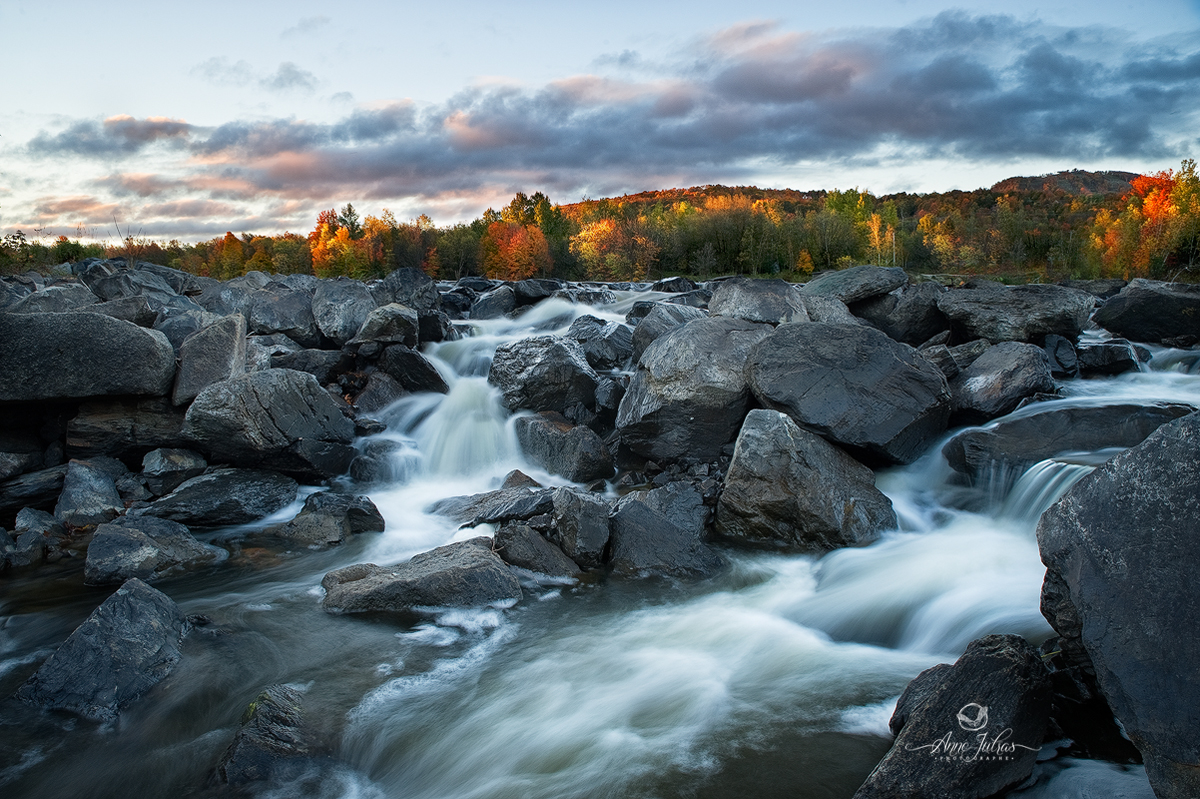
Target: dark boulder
{"x": 278, "y": 419}
{"x": 996, "y": 382}
{"x": 853, "y": 386}
{"x": 606, "y": 345}
{"x": 1021, "y": 313}
{"x": 389, "y": 324}
{"x": 581, "y": 526}
{"x": 55, "y": 299}
{"x": 325, "y": 365}
{"x": 1121, "y": 545}
{"x": 340, "y": 307}
{"x": 495, "y": 304}
{"x": 126, "y": 647}
{"x": 124, "y": 428}
{"x": 534, "y": 290}
{"x": 226, "y": 298}
{"x": 1150, "y": 311}
{"x": 594, "y": 296}
{"x": 522, "y": 546}
{"x": 177, "y": 325}
{"x": 133, "y": 283}
{"x": 38, "y": 489}
{"x": 281, "y": 310}
{"x": 1102, "y": 288}
{"x": 216, "y": 353}
{"x": 433, "y": 326}
{"x": 1108, "y": 358}
{"x": 770, "y": 301}
{"x": 378, "y": 462}
{"x": 544, "y": 373}
{"x": 89, "y": 496}
{"x": 787, "y": 488}
{"x": 412, "y": 370}
{"x": 225, "y": 496}
{"x": 689, "y": 393}
{"x": 128, "y": 309}
{"x": 380, "y": 391}
{"x": 659, "y": 320}
{"x": 329, "y": 518}
{"x": 1028, "y": 439}
{"x": 908, "y": 314}
{"x": 661, "y": 532}
{"x": 1061, "y": 355}
{"x": 142, "y": 547}
{"x": 491, "y": 507}
{"x": 829, "y": 310}
{"x": 410, "y": 287}
{"x": 272, "y": 742}
{"x": 463, "y": 574}
{"x": 78, "y": 354}
{"x": 967, "y": 731}
{"x": 559, "y": 447}
{"x": 857, "y": 283}
{"x": 675, "y": 285}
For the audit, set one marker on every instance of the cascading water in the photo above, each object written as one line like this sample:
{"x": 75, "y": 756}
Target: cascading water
{"x": 775, "y": 678}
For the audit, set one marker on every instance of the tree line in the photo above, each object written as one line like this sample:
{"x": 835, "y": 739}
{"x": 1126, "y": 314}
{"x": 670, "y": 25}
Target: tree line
{"x": 1151, "y": 230}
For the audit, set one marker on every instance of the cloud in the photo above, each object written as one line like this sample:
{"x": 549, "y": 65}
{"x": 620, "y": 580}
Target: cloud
{"x": 142, "y": 185}
{"x": 222, "y": 72}
{"x": 289, "y": 77}
{"x": 305, "y": 27}
{"x": 973, "y": 88}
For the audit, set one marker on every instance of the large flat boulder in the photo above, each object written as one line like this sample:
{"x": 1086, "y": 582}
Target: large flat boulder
{"x": 225, "y": 496}
{"x": 543, "y": 373}
{"x": 998, "y": 380}
{"x": 144, "y": 547}
{"x": 278, "y": 419}
{"x": 464, "y": 574}
{"x": 853, "y": 386}
{"x": 857, "y": 283}
{"x": 770, "y": 301}
{"x": 126, "y": 647}
{"x": 1121, "y": 547}
{"x": 787, "y": 488}
{"x": 967, "y": 731}
{"x": 1020, "y": 313}
{"x": 689, "y": 393}
{"x": 1147, "y": 310}
{"x": 79, "y": 354}
{"x": 340, "y": 307}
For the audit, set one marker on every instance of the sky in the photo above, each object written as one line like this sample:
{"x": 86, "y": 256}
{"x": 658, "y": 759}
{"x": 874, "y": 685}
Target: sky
{"x": 148, "y": 118}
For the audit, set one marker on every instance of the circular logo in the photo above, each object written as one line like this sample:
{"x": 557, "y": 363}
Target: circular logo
{"x": 973, "y": 717}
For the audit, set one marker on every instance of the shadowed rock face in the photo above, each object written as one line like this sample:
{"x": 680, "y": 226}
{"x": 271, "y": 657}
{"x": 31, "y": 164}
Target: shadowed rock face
{"x": 853, "y": 386}
{"x": 573, "y": 451}
{"x": 543, "y": 373}
{"x": 995, "y": 697}
{"x": 787, "y": 488}
{"x": 1147, "y": 310}
{"x": 1120, "y": 551}
{"x": 78, "y": 354}
{"x": 271, "y": 743}
{"x": 996, "y": 382}
{"x": 1021, "y": 313}
{"x": 128, "y": 645}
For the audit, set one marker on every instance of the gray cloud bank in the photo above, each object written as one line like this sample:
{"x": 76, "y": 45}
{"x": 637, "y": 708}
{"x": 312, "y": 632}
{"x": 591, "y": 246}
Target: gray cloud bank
{"x": 958, "y": 86}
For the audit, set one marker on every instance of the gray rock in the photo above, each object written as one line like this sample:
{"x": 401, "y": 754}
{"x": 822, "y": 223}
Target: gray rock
{"x": 329, "y": 518}
{"x": 770, "y": 301}
{"x": 661, "y": 319}
{"x": 216, "y": 353}
{"x": 145, "y": 547}
{"x": 908, "y": 314}
{"x": 491, "y": 507}
{"x": 572, "y": 451}
{"x": 1108, "y": 358}
{"x": 689, "y": 393}
{"x": 1021, "y": 442}
{"x": 1122, "y": 544}
{"x": 133, "y": 283}
{"x": 165, "y": 469}
{"x": 674, "y": 284}
{"x": 534, "y": 290}
{"x": 829, "y": 310}
{"x": 340, "y": 307}
{"x": 544, "y": 373}
{"x": 1064, "y": 361}
{"x": 281, "y": 310}
{"x": 136, "y": 310}
{"x": 55, "y": 299}
{"x": 261, "y": 350}
{"x": 520, "y": 545}
{"x": 38, "y": 489}
{"x": 279, "y": 419}
{"x": 1020, "y": 313}
{"x": 78, "y": 354}
{"x": 376, "y": 462}
{"x": 661, "y": 532}
{"x": 996, "y": 382}
{"x": 272, "y": 743}
{"x": 594, "y": 296}
{"x": 495, "y": 304}
{"x": 124, "y": 428}
{"x": 606, "y": 345}
{"x": 940, "y": 356}
{"x": 89, "y": 496}
{"x": 853, "y": 386}
{"x": 1150, "y": 311}
{"x": 989, "y": 711}
{"x": 787, "y": 488}
{"x": 581, "y": 526}
{"x": 380, "y": 391}
{"x": 412, "y": 370}
{"x": 857, "y": 283}
{"x": 463, "y": 574}
{"x": 411, "y": 287}
{"x": 126, "y": 647}
{"x": 178, "y": 325}
{"x": 223, "y": 299}
{"x": 389, "y": 324}
{"x": 325, "y": 365}
{"x": 1103, "y": 288}
{"x": 225, "y": 496}
{"x": 966, "y": 354}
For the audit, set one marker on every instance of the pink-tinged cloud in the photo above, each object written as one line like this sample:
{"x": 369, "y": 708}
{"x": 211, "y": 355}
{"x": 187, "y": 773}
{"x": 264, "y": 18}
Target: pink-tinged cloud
{"x": 141, "y": 184}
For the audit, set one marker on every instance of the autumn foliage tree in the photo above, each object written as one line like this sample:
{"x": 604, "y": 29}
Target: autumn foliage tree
{"x": 1157, "y": 233}
{"x": 512, "y": 251}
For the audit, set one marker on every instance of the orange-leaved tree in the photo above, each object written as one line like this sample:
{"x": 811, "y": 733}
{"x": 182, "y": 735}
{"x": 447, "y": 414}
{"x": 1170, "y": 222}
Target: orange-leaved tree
{"x": 512, "y": 251}
{"x": 1157, "y": 234}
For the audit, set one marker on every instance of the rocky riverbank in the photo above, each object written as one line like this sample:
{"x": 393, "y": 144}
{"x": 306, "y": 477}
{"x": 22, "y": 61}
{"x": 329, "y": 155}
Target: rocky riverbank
{"x": 142, "y": 405}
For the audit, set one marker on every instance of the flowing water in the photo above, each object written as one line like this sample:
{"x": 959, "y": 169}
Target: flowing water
{"x": 776, "y": 678}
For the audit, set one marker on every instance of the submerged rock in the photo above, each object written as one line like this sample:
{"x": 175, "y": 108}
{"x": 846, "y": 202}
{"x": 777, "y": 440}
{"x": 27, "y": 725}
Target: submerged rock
{"x": 329, "y": 518}
{"x": 272, "y": 742}
{"x": 125, "y": 648}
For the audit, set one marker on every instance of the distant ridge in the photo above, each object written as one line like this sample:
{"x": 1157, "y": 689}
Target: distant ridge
{"x": 1075, "y": 181}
